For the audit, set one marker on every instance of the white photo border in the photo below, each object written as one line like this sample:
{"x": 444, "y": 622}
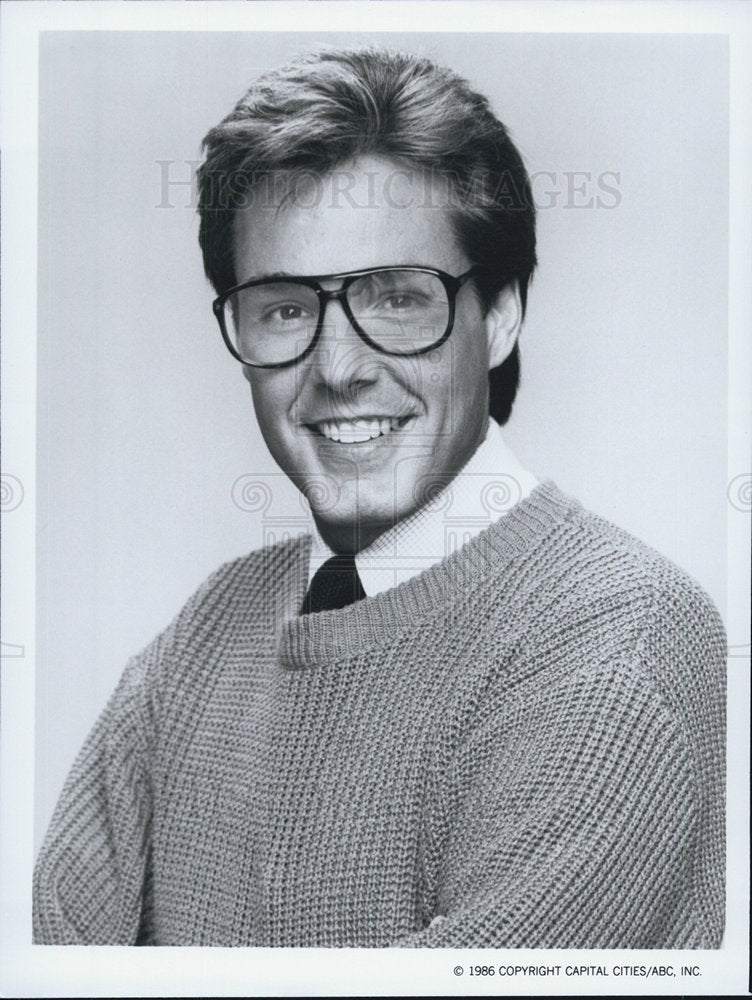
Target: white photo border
{"x": 51, "y": 971}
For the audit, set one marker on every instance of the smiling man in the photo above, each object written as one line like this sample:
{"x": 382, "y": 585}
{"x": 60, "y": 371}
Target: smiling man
{"x": 390, "y": 731}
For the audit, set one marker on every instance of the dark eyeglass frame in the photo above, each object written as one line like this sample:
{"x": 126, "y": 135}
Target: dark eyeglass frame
{"x": 451, "y": 284}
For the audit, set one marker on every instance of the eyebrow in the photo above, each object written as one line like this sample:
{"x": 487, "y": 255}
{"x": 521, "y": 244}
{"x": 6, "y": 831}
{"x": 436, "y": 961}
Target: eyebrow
{"x": 296, "y": 274}
{"x": 273, "y": 274}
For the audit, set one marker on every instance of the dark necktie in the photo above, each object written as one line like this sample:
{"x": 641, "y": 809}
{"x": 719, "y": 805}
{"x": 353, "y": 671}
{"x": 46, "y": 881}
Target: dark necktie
{"x": 335, "y": 584}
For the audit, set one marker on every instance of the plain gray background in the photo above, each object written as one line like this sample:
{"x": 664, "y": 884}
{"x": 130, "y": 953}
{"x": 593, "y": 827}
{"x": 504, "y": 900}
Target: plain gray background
{"x": 145, "y": 422}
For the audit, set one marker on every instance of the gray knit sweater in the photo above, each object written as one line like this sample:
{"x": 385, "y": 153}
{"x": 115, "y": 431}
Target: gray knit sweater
{"x": 520, "y": 747}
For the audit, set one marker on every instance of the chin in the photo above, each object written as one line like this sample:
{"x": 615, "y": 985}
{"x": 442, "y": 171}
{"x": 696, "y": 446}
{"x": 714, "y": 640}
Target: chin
{"x": 352, "y": 530}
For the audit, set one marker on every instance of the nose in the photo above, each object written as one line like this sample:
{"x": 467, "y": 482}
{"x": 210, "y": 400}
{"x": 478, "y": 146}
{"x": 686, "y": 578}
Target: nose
{"x": 341, "y": 359}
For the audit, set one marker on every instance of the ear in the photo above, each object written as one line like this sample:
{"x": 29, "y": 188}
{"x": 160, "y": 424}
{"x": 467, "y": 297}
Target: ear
{"x": 503, "y": 323}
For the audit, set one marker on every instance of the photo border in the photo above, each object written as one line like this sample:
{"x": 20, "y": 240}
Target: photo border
{"x": 52, "y": 971}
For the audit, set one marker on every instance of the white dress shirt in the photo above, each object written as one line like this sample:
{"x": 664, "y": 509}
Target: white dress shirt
{"x": 487, "y": 488}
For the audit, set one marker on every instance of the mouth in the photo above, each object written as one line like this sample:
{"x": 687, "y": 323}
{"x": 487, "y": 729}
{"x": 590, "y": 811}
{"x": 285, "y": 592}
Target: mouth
{"x": 360, "y": 430}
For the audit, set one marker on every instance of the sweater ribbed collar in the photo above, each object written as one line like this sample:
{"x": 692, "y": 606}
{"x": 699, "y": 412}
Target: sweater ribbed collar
{"x": 335, "y": 635}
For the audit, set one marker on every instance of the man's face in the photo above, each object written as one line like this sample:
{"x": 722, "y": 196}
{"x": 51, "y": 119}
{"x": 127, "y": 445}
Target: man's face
{"x": 432, "y": 410}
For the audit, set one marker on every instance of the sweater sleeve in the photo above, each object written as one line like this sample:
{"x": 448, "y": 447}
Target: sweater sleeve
{"x": 577, "y": 814}
{"x": 90, "y": 874}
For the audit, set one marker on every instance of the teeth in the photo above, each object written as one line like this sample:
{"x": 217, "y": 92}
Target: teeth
{"x": 358, "y": 431}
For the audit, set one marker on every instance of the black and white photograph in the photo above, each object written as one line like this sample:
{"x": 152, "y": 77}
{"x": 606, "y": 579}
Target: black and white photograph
{"x": 381, "y": 456}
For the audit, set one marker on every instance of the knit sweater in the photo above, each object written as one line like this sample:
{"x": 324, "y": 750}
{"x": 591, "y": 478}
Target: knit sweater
{"x": 522, "y": 746}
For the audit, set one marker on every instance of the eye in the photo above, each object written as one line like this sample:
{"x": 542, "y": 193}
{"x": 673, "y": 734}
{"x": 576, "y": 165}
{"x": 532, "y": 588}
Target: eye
{"x": 285, "y": 313}
{"x": 404, "y": 301}
{"x": 400, "y": 300}
{"x": 289, "y": 312}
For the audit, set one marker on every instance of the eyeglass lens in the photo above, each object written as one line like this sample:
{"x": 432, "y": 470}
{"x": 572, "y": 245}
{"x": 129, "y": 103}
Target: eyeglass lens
{"x": 400, "y": 311}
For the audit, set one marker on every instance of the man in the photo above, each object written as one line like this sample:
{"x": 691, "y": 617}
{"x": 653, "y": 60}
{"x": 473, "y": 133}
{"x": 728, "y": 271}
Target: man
{"x": 387, "y": 733}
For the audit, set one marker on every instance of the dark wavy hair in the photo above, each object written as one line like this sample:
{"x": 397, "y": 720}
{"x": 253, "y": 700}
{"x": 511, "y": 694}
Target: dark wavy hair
{"x": 327, "y": 108}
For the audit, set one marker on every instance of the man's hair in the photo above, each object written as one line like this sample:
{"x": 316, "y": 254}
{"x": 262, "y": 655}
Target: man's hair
{"x": 328, "y": 108}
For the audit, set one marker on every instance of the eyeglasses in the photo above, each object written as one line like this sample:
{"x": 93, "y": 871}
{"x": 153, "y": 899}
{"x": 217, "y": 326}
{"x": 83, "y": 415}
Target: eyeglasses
{"x": 400, "y": 311}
